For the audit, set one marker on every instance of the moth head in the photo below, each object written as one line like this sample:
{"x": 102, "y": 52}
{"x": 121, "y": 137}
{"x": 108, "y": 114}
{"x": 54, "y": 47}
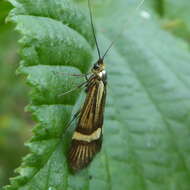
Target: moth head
{"x": 98, "y": 66}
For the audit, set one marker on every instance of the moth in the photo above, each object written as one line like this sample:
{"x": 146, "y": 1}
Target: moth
{"x": 87, "y": 138}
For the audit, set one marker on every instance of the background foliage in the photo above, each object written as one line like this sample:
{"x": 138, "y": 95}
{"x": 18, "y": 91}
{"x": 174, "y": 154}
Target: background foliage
{"x": 14, "y": 123}
{"x": 146, "y": 131}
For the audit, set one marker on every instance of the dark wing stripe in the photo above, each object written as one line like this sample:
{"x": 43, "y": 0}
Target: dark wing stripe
{"x": 91, "y": 116}
{"x": 85, "y": 122}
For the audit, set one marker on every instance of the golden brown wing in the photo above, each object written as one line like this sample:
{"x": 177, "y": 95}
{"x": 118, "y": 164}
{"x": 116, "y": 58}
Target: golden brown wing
{"x": 87, "y": 138}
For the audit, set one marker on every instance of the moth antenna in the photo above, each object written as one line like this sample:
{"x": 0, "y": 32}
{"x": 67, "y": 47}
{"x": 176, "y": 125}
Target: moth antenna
{"x": 139, "y": 5}
{"x": 93, "y": 30}
{"x": 109, "y": 47}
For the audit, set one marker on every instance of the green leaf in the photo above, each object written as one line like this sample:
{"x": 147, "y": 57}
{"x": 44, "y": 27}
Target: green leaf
{"x": 147, "y": 117}
{"x": 178, "y": 10}
{"x": 177, "y": 14}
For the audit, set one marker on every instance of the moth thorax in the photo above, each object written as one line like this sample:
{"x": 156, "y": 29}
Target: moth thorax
{"x": 102, "y": 74}
{"x": 98, "y": 66}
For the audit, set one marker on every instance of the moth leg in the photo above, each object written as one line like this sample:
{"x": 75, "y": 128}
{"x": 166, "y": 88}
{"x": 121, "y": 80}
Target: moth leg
{"x": 69, "y": 74}
{"x": 75, "y": 116}
{"x": 86, "y": 77}
{"x": 77, "y": 87}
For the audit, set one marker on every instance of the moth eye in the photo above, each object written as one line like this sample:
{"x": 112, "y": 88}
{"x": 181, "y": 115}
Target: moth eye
{"x": 96, "y": 66}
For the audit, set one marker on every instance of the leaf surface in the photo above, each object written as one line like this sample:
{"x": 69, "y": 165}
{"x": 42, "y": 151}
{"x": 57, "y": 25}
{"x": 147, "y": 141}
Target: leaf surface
{"x": 147, "y": 117}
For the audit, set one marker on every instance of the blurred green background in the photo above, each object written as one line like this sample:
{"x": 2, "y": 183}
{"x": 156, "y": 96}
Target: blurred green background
{"x": 15, "y": 124}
